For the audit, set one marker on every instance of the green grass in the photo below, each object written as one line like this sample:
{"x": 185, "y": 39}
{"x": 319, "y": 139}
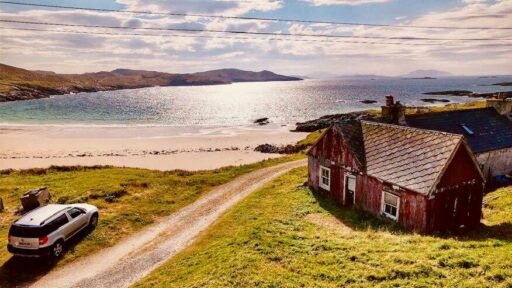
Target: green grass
{"x": 459, "y": 106}
{"x": 311, "y": 138}
{"x": 284, "y": 236}
{"x": 128, "y": 199}
{"x": 447, "y": 107}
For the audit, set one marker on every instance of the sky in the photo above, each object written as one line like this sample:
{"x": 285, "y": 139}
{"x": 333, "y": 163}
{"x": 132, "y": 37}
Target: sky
{"x": 178, "y": 52}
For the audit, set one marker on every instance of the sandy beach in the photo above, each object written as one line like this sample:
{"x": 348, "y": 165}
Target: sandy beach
{"x": 151, "y": 147}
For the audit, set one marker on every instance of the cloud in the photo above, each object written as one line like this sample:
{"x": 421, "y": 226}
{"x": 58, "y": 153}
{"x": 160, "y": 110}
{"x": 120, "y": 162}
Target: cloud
{"x": 180, "y": 52}
{"x": 224, "y": 7}
{"x": 343, "y": 2}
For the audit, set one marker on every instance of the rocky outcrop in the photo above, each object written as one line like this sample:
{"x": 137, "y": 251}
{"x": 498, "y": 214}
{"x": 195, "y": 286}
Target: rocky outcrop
{"x": 451, "y": 93}
{"x": 325, "y": 121}
{"x": 286, "y": 149}
{"x": 508, "y": 94}
{"x": 262, "y": 121}
{"x": 435, "y": 100}
{"x": 503, "y": 84}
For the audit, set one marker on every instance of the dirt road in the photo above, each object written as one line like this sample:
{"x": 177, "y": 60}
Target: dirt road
{"x": 133, "y": 258}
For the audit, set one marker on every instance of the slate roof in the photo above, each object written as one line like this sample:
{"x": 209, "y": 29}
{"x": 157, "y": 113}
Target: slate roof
{"x": 490, "y": 130}
{"x": 408, "y": 157}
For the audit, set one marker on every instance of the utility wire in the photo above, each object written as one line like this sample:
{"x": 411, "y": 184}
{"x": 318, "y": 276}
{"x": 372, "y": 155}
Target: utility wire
{"x": 251, "y": 33}
{"x": 252, "y": 18}
{"x": 226, "y": 37}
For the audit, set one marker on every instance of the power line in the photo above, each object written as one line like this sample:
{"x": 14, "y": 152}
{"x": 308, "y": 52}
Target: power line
{"x": 253, "y": 18}
{"x": 251, "y": 33}
{"x": 225, "y": 37}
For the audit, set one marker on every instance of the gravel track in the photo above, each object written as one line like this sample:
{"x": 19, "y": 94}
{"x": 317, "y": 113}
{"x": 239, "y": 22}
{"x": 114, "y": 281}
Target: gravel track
{"x": 136, "y": 256}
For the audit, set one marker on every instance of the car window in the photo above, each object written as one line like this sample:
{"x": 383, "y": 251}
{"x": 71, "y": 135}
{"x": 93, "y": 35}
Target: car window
{"x": 27, "y": 231}
{"x": 38, "y": 231}
{"x": 57, "y": 223}
{"x": 75, "y": 212}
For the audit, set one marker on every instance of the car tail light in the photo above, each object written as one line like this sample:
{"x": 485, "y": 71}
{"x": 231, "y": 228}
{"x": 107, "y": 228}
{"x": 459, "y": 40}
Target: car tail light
{"x": 43, "y": 240}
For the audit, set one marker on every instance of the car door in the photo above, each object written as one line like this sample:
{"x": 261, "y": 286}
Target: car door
{"x": 78, "y": 219}
{"x": 60, "y": 226}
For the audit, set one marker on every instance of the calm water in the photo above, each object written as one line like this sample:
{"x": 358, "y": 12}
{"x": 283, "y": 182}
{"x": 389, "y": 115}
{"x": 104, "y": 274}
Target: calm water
{"x": 236, "y": 104}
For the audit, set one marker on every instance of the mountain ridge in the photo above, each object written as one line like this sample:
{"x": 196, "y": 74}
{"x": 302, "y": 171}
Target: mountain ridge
{"x": 21, "y": 84}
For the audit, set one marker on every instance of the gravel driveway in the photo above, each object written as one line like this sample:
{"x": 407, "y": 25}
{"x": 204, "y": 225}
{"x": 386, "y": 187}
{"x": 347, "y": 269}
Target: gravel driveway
{"x": 136, "y": 256}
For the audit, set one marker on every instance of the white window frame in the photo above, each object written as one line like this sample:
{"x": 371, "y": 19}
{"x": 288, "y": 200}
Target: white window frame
{"x": 345, "y": 188}
{"x": 383, "y": 206}
{"x": 321, "y": 177}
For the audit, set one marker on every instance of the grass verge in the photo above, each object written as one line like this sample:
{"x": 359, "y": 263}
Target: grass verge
{"x": 128, "y": 199}
{"x": 284, "y": 236}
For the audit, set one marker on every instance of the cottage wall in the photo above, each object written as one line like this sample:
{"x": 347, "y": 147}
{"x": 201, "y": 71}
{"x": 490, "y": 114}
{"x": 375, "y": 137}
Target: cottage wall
{"x": 457, "y": 202}
{"x": 332, "y": 147}
{"x": 369, "y": 194}
{"x": 497, "y": 162}
{"x": 333, "y": 153}
{"x": 413, "y": 211}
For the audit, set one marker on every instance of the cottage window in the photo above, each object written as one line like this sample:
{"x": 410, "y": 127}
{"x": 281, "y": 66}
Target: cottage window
{"x": 390, "y": 205}
{"x": 325, "y": 178}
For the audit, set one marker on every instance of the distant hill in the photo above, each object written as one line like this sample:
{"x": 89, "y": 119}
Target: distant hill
{"x": 21, "y": 84}
{"x": 235, "y": 75}
{"x": 426, "y": 73}
{"x": 362, "y": 77}
{"x": 330, "y": 76}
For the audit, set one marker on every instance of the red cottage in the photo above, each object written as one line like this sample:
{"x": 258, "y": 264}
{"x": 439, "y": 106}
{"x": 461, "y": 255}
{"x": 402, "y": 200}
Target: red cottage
{"x": 425, "y": 180}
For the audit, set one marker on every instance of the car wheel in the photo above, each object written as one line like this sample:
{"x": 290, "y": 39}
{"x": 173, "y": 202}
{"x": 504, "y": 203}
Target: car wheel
{"x": 93, "y": 222}
{"x": 57, "y": 249}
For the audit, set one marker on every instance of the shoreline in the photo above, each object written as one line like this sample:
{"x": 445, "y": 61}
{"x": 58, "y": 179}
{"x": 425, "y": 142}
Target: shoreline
{"x": 159, "y": 148}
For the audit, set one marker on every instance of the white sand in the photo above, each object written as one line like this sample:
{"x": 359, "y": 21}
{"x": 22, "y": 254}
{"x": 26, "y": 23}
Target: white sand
{"x": 152, "y": 147}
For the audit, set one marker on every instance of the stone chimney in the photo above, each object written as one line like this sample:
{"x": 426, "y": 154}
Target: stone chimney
{"x": 501, "y": 104}
{"x": 393, "y": 113}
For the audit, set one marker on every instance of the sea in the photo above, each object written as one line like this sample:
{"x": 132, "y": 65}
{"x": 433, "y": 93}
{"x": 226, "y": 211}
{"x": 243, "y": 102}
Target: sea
{"x": 235, "y": 104}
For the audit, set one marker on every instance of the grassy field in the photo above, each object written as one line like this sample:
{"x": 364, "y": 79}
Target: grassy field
{"x": 284, "y": 236}
{"x": 448, "y": 107}
{"x": 312, "y": 138}
{"x": 128, "y": 199}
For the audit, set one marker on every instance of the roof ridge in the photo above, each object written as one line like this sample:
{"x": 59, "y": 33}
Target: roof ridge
{"x": 421, "y": 130}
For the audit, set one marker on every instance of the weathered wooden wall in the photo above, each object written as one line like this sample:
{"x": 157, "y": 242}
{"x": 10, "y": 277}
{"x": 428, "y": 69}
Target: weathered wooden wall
{"x": 458, "y": 199}
{"x": 413, "y": 211}
{"x": 332, "y": 147}
{"x": 331, "y": 152}
{"x": 369, "y": 194}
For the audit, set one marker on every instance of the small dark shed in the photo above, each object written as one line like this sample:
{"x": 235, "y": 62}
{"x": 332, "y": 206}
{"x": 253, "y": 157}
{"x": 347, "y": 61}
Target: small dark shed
{"x": 425, "y": 180}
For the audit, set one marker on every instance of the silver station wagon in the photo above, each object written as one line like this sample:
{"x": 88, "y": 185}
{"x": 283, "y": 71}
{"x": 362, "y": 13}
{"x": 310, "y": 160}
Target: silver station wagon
{"x": 43, "y": 231}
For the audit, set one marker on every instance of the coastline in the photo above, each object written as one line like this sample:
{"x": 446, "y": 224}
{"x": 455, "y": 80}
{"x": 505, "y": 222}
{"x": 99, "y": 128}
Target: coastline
{"x": 150, "y": 147}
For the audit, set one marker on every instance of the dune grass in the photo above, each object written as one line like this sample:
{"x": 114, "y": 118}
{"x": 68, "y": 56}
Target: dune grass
{"x": 128, "y": 199}
{"x": 284, "y": 236}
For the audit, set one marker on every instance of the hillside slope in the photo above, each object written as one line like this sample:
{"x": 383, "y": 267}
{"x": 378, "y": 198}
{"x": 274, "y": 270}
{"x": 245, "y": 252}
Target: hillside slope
{"x": 21, "y": 84}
